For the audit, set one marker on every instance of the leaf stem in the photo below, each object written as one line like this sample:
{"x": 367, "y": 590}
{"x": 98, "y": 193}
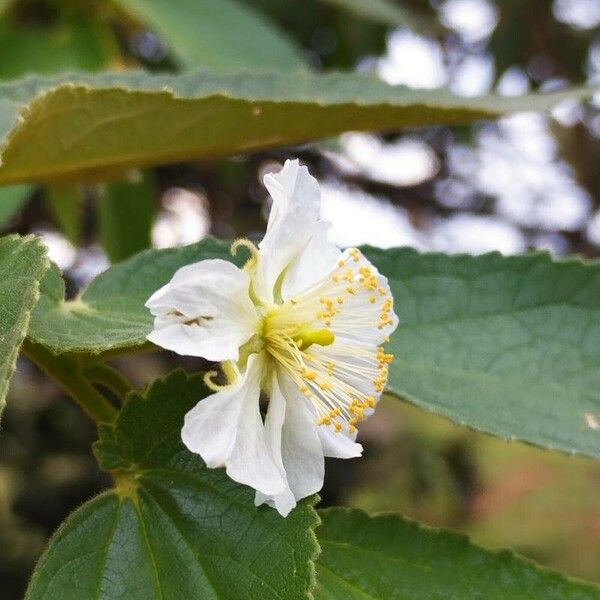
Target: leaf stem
{"x": 109, "y": 377}
{"x": 67, "y": 371}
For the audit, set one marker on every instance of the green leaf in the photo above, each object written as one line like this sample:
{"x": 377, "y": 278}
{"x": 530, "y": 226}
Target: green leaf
{"x": 110, "y": 314}
{"x": 388, "y": 557}
{"x": 126, "y": 213}
{"x": 66, "y": 205}
{"x": 221, "y": 35}
{"x": 12, "y": 199}
{"x": 76, "y": 126}
{"x": 387, "y": 13}
{"x": 173, "y": 528}
{"x": 78, "y": 43}
{"x": 22, "y": 265}
{"x": 507, "y": 345}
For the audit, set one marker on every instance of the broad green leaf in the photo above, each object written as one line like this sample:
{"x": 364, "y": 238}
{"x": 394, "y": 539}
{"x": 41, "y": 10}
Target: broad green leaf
{"x": 12, "y": 199}
{"x": 387, "y": 12}
{"x": 66, "y": 206}
{"x": 221, "y": 35}
{"x": 77, "y": 126}
{"x": 173, "y": 528}
{"x": 78, "y": 43}
{"x": 22, "y": 265}
{"x": 126, "y": 213}
{"x": 388, "y": 557}
{"x": 110, "y": 313}
{"x": 507, "y": 345}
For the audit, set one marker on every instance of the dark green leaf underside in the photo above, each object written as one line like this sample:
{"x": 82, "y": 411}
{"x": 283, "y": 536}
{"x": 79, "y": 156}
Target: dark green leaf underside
{"x": 387, "y": 557}
{"x": 175, "y": 529}
{"x": 78, "y": 126}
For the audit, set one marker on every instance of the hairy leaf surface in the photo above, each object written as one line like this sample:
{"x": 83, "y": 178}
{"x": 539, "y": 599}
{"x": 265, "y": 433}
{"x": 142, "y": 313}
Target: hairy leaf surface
{"x": 78, "y": 127}
{"x": 173, "y": 528}
{"x": 22, "y": 265}
{"x": 389, "y": 557}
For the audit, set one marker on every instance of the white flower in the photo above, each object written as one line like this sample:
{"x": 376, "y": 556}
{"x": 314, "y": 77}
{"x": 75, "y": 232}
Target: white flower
{"x": 302, "y": 324}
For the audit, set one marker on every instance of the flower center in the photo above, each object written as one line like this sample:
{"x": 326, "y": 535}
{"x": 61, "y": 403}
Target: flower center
{"x": 327, "y": 340}
{"x": 287, "y": 338}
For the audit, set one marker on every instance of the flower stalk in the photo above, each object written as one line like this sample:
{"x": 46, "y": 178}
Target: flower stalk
{"x": 67, "y": 371}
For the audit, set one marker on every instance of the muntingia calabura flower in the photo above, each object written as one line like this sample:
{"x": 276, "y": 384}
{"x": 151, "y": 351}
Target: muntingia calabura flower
{"x": 299, "y": 333}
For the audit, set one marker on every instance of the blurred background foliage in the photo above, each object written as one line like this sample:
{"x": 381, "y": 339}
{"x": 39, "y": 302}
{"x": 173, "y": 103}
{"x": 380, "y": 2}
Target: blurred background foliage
{"x": 524, "y": 182}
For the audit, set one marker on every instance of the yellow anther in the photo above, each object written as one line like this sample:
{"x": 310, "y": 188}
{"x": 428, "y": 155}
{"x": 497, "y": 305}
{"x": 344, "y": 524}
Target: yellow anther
{"x": 351, "y": 290}
{"x": 372, "y": 299}
{"x": 308, "y": 374}
{"x": 338, "y": 427}
{"x": 341, "y": 263}
{"x": 359, "y": 411}
{"x": 340, "y": 300}
{"x": 335, "y": 278}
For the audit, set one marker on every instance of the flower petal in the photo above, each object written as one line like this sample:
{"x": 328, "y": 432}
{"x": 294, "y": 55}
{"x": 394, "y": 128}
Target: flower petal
{"x": 226, "y": 429}
{"x": 318, "y": 259}
{"x": 210, "y": 428}
{"x": 338, "y": 445}
{"x": 284, "y": 502}
{"x": 292, "y": 221}
{"x": 300, "y": 450}
{"x": 205, "y": 310}
{"x": 365, "y": 331}
{"x": 300, "y": 446}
